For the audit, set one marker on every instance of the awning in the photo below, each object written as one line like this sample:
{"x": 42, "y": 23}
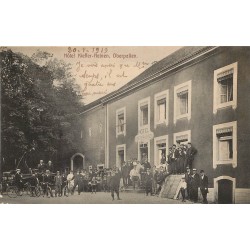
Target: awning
{"x": 226, "y": 75}
{"x": 224, "y": 130}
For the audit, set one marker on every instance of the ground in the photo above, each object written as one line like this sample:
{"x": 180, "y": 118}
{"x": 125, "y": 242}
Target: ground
{"x": 88, "y": 198}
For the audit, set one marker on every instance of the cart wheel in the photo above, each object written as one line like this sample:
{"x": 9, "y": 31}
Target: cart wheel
{"x": 12, "y": 192}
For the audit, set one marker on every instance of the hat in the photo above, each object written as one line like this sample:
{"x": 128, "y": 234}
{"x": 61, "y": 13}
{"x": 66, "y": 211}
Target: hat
{"x": 47, "y": 171}
{"x": 202, "y": 171}
{"x": 194, "y": 169}
{"x": 18, "y": 169}
{"x": 134, "y": 163}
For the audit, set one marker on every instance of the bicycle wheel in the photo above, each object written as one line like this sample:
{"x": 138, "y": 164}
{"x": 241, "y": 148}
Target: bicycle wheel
{"x": 66, "y": 191}
{"x": 37, "y": 191}
{"x": 12, "y": 192}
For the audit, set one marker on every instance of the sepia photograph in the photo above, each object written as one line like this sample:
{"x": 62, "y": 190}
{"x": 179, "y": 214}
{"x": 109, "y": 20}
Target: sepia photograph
{"x": 125, "y": 125}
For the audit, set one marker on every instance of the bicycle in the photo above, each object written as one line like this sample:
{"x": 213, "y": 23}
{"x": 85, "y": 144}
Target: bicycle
{"x": 13, "y": 191}
{"x": 65, "y": 190}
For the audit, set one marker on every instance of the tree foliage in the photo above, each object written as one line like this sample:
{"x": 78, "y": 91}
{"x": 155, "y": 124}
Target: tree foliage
{"x": 40, "y": 103}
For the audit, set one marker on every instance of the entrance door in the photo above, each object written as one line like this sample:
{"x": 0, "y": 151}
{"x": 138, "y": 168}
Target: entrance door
{"x": 78, "y": 163}
{"x": 120, "y": 158}
{"x": 225, "y": 191}
{"x": 143, "y": 151}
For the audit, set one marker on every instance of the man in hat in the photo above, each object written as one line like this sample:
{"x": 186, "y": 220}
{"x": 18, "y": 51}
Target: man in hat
{"x": 194, "y": 186}
{"x": 115, "y": 183}
{"x": 204, "y": 186}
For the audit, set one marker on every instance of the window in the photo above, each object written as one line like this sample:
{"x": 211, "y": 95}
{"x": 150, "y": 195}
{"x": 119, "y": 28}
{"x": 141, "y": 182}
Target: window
{"x": 121, "y": 121}
{"x": 225, "y": 151}
{"x": 182, "y": 137}
{"x": 120, "y": 155}
{"x": 182, "y": 101}
{"x": 225, "y": 87}
{"x": 160, "y": 149}
{"x": 144, "y": 113}
{"x": 161, "y": 108}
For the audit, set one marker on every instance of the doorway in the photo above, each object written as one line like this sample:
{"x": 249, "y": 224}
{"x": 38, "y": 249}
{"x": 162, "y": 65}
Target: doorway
{"x": 120, "y": 155}
{"x": 224, "y": 189}
{"x": 225, "y": 192}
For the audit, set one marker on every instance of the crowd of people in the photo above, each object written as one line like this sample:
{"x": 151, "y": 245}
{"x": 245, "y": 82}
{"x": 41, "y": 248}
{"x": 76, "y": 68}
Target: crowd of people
{"x": 190, "y": 184}
{"x": 179, "y": 158}
{"x": 133, "y": 173}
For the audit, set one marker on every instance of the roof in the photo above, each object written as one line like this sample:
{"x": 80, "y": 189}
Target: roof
{"x": 178, "y": 57}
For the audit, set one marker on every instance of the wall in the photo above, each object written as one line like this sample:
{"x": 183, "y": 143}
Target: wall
{"x": 202, "y": 119}
{"x": 93, "y": 146}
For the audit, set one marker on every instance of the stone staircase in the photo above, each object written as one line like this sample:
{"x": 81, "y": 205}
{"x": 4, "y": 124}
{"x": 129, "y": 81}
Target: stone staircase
{"x": 171, "y": 187}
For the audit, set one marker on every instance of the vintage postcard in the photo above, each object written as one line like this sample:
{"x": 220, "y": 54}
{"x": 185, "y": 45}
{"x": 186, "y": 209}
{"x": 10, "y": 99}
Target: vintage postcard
{"x": 125, "y": 125}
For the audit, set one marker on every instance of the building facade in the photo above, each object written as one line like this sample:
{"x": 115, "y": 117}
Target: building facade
{"x": 197, "y": 95}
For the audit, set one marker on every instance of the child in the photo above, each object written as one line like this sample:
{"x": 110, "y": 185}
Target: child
{"x": 183, "y": 187}
{"x": 93, "y": 184}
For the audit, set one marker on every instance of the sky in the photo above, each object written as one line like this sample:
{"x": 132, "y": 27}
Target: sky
{"x": 101, "y": 70}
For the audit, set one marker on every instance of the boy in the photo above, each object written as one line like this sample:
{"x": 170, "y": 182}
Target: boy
{"x": 183, "y": 188}
{"x": 93, "y": 185}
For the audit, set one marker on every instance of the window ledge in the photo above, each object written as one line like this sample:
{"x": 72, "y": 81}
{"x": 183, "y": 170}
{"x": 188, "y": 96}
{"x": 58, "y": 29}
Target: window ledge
{"x": 225, "y": 105}
{"x": 181, "y": 117}
{"x": 226, "y": 162}
{"x": 161, "y": 123}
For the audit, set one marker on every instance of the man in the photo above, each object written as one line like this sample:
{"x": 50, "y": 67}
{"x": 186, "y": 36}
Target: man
{"x": 125, "y": 174}
{"x": 173, "y": 159}
{"x": 50, "y": 166}
{"x": 64, "y": 182}
{"x": 70, "y": 180}
{"x": 163, "y": 158}
{"x": 160, "y": 178}
{"x": 191, "y": 151}
{"x": 204, "y": 186}
{"x": 33, "y": 183}
{"x": 135, "y": 176}
{"x": 47, "y": 183}
{"x": 115, "y": 183}
{"x": 18, "y": 180}
{"x": 41, "y": 167}
{"x": 148, "y": 182}
{"x": 78, "y": 181}
{"x": 194, "y": 185}
{"x": 58, "y": 184}
{"x": 181, "y": 160}
{"x": 146, "y": 165}
{"x": 188, "y": 180}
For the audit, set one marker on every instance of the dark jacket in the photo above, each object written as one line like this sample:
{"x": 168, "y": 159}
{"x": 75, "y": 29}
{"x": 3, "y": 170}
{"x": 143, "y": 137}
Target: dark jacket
{"x": 115, "y": 180}
{"x": 195, "y": 181}
{"x": 190, "y": 153}
{"x": 204, "y": 182}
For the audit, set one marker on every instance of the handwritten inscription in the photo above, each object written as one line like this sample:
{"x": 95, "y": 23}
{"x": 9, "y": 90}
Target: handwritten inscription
{"x": 101, "y": 70}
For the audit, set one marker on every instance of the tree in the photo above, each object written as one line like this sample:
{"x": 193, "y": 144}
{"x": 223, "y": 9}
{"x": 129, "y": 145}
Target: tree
{"x": 40, "y": 103}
